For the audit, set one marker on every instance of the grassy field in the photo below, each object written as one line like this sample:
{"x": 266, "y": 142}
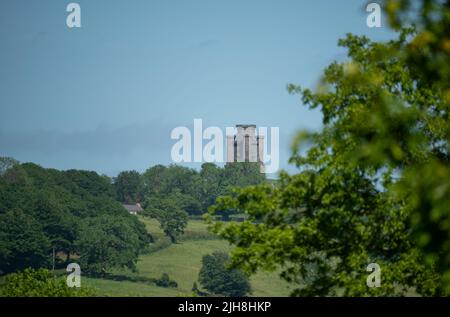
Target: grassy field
{"x": 182, "y": 261}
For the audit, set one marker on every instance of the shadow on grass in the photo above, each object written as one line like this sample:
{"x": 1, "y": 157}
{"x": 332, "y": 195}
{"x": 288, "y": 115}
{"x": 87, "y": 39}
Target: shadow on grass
{"x": 126, "y": 278}
{"x": 163, "y": 281}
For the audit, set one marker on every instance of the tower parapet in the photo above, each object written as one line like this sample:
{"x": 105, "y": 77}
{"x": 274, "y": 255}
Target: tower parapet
{"x": 246, "y": 146}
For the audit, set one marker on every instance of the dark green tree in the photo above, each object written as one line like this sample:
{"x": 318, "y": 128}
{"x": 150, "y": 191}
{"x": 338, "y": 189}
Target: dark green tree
{"x": 108, "y": 242}
{"x": 88, "y": 182}
{"x": 218, "y": 279}
{"x": 165, "y": 281}
{"x": 211, "y": 181}
{"x": 154, "y": 181}
{"x": 128, "y": 185}
{"x": 171, "y": 217}
{"x": 242, "y": 174}
{"x": 22, "y": 242}
{"x": 57, "y": 223}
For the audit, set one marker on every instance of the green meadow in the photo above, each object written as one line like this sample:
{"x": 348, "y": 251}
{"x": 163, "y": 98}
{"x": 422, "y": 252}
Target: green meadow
{"x": 182, "y": 261}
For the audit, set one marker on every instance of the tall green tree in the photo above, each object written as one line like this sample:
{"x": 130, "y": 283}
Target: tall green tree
{"x": 22, "y": 242}
{"x": 354, "y": 200}
{"x": 128, "y": 185}
{"x": 171, "y": 217}
{"x": 106, "y": 243}
{"x": 210, "y": 186}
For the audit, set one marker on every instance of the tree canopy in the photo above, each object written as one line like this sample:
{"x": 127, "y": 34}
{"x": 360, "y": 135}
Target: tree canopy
{"x": 172, "y": 193}
{"x": 217, "y": 278}
{"x": 73, "y": 212}
{"x": 128, "y": 187}
{"x": 195, "y": 191}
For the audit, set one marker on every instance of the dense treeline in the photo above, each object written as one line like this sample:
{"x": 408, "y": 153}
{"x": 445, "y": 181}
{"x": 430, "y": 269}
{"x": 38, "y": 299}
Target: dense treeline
{"x": 191, "y": 190}
{"x": 79, "y": 213}
{"x": 72, "y": 212}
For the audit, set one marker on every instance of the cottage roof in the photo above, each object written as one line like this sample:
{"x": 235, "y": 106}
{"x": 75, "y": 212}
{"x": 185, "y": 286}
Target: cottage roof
{"x": 131, "y": 208}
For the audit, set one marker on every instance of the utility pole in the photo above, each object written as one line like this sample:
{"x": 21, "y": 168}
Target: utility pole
{"x": 53, "y": 269}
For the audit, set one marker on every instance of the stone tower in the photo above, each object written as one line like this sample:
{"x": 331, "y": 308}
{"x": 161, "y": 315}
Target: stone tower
{"x": 246, "y": 146}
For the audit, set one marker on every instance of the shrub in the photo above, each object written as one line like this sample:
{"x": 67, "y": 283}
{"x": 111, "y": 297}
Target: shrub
{"x": 218, "y": 279}
{"x": 165, "y": 281}
{"x": 39, "y": 283}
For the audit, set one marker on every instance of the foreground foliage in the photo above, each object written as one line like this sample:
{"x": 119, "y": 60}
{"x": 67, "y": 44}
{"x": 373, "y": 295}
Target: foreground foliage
{"x": 374, "y": 184}
{"x": 39, "y": 283}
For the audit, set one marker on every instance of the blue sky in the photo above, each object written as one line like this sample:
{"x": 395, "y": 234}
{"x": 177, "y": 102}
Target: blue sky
{"x": 105, "y": 97}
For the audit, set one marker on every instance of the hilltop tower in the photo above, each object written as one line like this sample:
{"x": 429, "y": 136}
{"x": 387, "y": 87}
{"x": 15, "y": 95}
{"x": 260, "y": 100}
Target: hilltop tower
{"x": 246, "y": 146}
